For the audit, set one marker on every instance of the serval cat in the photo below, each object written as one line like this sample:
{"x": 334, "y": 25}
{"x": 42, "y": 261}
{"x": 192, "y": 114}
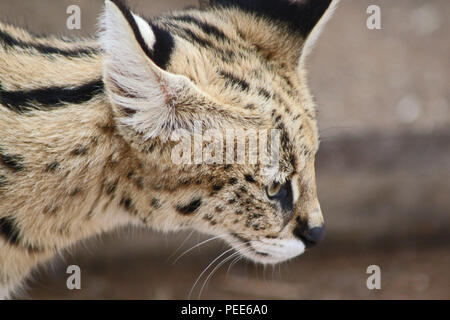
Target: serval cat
{"x": 87, "y": 129}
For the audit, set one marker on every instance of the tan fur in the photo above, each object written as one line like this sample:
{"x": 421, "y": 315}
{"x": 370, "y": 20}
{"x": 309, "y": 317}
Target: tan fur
{"x": 85, "y": 172}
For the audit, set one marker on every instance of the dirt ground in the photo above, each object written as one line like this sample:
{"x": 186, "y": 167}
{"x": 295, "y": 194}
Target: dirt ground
{"x": 117, "y": 270}
{"x": 383, "y": 172}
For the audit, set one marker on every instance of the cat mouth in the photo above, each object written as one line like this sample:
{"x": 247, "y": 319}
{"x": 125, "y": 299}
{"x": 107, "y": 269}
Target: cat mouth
{"x": 267, "y": 251}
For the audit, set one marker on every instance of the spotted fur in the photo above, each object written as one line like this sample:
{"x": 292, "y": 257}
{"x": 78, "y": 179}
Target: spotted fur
{"x": 85, "y": 129}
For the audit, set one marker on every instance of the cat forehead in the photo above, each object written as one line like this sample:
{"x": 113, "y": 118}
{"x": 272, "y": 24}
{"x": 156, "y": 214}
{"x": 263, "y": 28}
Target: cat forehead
{"x": 246, "y": 79}
{"x": 223, "y": 65}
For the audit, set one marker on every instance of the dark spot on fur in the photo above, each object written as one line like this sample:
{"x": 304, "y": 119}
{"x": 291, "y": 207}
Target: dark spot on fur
{"x": 184, "y": 181}
{"x": 126, "y": 202}
{"x": 130, "y": 174}
{"x": 50, "y": 209}
{"x": 263, "y": 92}
{"x": 258, "y": 227}
{"x": 140, "y": 183}
{"x": 94, "y": 140}
{"x": 151, "y": 147}
{"x": 9, "y": 230}
{"x": 74, "y": 192}
{"x": 238, "y": 211}
{"x": 80, "y": 151}
{"x": 111, "y": 187}
{"x": 231, "y": 201}
{"x": 106, "y": 128}
{"x": 219, "y": 209}
{"x": 13, "y": 162}
{"x": 189, "y": 208}
{"x": 255, "y": 215}
{"x": 232, "y": 181}
{"x": 51, "y": 167}
{"x": 2, "y": 181}
{"x": 249, "y": 178}
{"x": 208, "y": 216}
{"x": 155, "y": 203}
{"x": 217, "y": 186}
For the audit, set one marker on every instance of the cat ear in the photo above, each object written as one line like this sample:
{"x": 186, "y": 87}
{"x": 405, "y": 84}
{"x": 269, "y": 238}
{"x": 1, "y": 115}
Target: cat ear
{"x": 296, "y": 24}
{"x": 321, "y": 15}
{"x": 146, "y": 97}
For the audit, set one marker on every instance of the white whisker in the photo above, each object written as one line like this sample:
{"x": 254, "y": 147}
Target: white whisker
{"x": 203, "y": 272}
{"x": 181, "y": 245}
{"x": 196, "y": 246}
{"x": 235, "y": 260}
{"x": 215, "y": 269}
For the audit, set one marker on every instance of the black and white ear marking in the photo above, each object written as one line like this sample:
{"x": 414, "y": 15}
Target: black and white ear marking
{"x": 136, "y": 53}
{"x": 156, "y": 43}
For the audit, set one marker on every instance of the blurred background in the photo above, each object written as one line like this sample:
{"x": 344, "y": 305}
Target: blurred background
{"x": 383, "y": 172}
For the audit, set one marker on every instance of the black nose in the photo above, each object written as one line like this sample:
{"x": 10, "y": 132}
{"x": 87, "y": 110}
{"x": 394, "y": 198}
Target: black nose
{"x": 310, "y": 237}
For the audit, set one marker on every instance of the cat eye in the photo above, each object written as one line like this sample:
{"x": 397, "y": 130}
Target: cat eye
{"x": 273, "y": 190}
{"x": 281, "y": 193}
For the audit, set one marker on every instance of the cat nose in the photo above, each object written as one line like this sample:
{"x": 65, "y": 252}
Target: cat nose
{"x": 309, "y": 236}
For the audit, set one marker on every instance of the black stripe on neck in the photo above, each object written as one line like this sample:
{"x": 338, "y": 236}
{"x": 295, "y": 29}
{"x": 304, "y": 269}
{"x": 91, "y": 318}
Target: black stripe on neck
{"x": 50, "y": 97}
{"x": 9, "y": 41}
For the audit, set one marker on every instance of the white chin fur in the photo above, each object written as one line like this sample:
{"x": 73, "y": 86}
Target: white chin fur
{"x": 272, "y": 251}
